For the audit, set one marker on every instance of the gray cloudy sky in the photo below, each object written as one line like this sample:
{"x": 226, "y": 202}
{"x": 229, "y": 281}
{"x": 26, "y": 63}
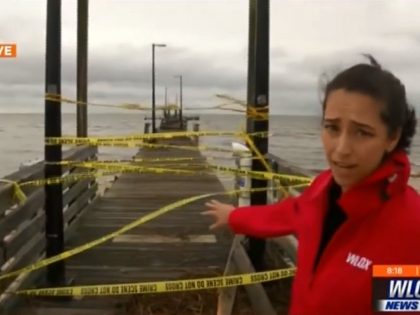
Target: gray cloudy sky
{"x": 207, "y": 43}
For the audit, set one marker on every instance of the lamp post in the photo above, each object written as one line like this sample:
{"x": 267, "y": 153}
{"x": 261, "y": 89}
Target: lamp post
{"x": 153, "y": 86}
{"x": 180, "y": 100}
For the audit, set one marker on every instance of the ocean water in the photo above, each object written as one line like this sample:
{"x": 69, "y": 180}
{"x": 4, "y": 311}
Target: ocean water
{"x": 295, "y": 138}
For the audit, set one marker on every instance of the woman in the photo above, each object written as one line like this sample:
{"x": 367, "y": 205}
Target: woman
{"x": 358, "y": 213}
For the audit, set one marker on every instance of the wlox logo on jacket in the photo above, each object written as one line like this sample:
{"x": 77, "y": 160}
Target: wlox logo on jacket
{"x": 358, "y": 261}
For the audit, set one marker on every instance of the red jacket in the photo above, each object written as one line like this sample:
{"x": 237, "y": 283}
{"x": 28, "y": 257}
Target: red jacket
{"x": 377, "y": 231}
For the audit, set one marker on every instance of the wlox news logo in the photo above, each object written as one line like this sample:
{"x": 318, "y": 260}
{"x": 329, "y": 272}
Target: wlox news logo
{"x": 396, "y": 288}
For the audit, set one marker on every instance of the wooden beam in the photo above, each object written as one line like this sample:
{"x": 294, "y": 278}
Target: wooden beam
{"x": 256, "y": 292}
{"x": 226, "y": 297}
{"x": 239, "y": 262}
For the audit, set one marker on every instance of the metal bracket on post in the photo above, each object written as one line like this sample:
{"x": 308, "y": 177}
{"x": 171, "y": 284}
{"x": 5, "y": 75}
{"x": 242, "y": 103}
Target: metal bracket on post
{"x": 243, "y": 160}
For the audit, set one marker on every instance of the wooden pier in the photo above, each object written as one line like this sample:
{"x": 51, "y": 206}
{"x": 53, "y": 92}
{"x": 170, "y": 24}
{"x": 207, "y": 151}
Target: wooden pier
{"x": 167, "y": 247}
{"x": 176, "y": 245}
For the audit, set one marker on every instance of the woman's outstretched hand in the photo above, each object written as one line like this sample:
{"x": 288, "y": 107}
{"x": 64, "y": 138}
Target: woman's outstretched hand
{"x": 219, "y": 211}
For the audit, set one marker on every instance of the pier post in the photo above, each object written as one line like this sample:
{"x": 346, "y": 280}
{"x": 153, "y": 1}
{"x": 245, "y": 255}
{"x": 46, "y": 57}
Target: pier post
{"x": 53, "y": 193}
{"x": 147, "y": 127}
{"x": 257, "y": 97}
{"x": 196, "y": 127}
{"x": 82, "y": 66}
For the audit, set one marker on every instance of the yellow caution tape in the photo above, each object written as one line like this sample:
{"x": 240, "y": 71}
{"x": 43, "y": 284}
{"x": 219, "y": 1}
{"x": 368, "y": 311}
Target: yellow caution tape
{"x": 130, "y": 106}
{"x": 111, "y": 169}
{"x": 68, "y": 179}
{"x": 135, "y": 169}
{"x": 139, "y": 144}
{"x": 232, "y": 99}
{"x": 221, "y": 106}
{"x": 255, "y": 150}
{"x": 252, "y": 112}
{"x": 59, "y": 98}
{"x": 124, "y": 168}
{"x": 168, "y": 107}
{"x": 18, "y": 194}
{"x": 138, "y": 162}
{"x": 181, "y": 159}
{"x": 201, "y": 147}
{"x": 163, "y": 286}
{"x": 126, "y": 228}
{"x": 141, "y": 137}
{"x": 154, "y": 161}
{"x": 136, "y": 144}
{"x": 262, "y": 175}
{"x": 257, "y": 113}
{"x": 260, "y": 113}
{"x": 101, "y": 240}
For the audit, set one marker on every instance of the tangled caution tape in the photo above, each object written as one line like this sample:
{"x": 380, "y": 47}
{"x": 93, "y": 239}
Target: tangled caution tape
{"x": 257, "y": 113}
{"x": 59, "y": 98}
{"x": 164, "y": 286}
{"x": 111, "y": 168}
{"x": 18, "y": 194}
{"x": 124, "y": 229}
{"x": 136, "y": 144}
{"x": 126, "y": 168}
{"x": 94, "y": 141}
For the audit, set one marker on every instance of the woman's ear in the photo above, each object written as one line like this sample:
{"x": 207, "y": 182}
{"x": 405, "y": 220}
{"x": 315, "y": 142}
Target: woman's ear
{"x": 393, "y": 140}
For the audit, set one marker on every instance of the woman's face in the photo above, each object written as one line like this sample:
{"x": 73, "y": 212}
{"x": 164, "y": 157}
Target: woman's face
{"x": 354, "y": 136}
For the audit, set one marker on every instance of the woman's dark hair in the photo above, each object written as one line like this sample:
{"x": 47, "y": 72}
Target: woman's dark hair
{"x": 382, "y": 85}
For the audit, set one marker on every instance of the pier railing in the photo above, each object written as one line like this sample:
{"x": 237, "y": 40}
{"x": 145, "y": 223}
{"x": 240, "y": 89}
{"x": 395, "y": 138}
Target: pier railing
{"x": 22, "y": 225}
{"x": 280, "y": 250}
{"x": 287, "y": 243}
